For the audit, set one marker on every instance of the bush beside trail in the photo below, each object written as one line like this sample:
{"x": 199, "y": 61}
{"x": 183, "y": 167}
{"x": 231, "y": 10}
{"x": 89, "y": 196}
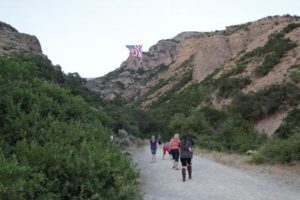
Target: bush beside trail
{"x": 53, "y": 140}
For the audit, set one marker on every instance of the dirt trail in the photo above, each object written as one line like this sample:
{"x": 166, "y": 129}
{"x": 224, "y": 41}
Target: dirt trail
{"x": 211, "y": 181}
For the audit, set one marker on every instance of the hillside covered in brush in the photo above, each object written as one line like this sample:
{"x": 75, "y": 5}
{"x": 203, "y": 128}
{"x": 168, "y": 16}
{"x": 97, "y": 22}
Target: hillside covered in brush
{"x": 233, "y": 90}
{"x": 54, "y": 132}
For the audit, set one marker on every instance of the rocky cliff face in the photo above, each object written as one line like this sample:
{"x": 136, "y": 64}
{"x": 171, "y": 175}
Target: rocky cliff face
{"x": 164, "y": 61}
{"x": 13, "y": 42}
{"x": 172, "y": 65}
{"x": 135, "y": 76}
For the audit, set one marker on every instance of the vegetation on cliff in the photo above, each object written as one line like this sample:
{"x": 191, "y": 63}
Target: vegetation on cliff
{"x": 190, "y": 107}
{"x": 231, "y": 128}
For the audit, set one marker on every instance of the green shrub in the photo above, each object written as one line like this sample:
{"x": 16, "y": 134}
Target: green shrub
{"x": 177, "y": 122}
{"x": 226, "y": 85}
{"x": 290, "y": 27}
{"x": 290, "y": 125}
{"x": 247, "y": 57}
{"x": 120, "y": 85}
{"x": 267, "y": 101}
{"x": 237, "y": 134}
{"x": 161, "y": 83}
{"x": 258, "y": 158}
{"x": 295, "y": 66}
{"x": 295, "y": 76}
{"x": 282, "y": 150}
{"x": 13, "y": 177}
{"x": 274, "y": 50}
{"x": 162, "y": 68}
{"x": 52, "y": 143}
{"x": 239, "y": 68}
{"x": 140, "y": 71}
{"x": 182, "y": 102}
{"x": 294, "y": 73}
{"x": 218, "y": 130}
{"x": 187, "y": 77}
{"x": 232, "y": 86}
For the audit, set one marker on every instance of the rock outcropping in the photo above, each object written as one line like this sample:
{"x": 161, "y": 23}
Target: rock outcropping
{"x": 165, "y": 62}
{"x": 172, "y": 65}
{"x": 13, "y": 42}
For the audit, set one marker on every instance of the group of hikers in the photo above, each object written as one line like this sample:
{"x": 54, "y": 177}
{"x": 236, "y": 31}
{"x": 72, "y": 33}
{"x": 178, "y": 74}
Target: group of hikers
{"x": 177, "y": 149}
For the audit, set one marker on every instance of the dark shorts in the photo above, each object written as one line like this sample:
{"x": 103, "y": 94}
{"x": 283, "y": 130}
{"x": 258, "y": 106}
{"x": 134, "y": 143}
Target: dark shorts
{"x": 175, "y": 154}
{"x": 153, "y": 151}
{"x": 185, "y": 161}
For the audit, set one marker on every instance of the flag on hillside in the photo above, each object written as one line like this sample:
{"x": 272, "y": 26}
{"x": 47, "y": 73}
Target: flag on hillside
{"x": 135, "y": 50}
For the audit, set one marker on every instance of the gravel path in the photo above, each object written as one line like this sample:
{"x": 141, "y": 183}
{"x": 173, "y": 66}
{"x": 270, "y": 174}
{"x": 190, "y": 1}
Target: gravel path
{"x": 211, "y": 181}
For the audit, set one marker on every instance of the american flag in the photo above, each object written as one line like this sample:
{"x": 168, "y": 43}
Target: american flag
{"x": 135, "y": 50}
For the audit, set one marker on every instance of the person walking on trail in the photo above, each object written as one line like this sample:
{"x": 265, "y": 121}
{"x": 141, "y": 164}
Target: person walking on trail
{"x": 174, "y": 149}
{"x": 186, "y": 155}
{"x": 159, "y": 140}
{"x": 166, "y": 148}
{"x": 153, "y": 147}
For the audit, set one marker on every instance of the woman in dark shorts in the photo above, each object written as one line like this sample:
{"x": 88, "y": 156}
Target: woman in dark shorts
{"x": 174, "y": 150}
{"x": 153, "y": 148}
{"x": 186, "y": 155}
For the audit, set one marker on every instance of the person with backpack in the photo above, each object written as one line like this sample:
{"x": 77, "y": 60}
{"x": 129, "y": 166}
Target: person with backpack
{"x": 186, "y": 155}
{"x": 153, "y": 148}
{"x": 159, "y": 140}
{"x": 174, "y": 150}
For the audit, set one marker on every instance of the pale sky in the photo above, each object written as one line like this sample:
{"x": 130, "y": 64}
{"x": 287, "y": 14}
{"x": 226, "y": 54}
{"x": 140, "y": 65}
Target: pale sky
{"x": 89, "y": 36}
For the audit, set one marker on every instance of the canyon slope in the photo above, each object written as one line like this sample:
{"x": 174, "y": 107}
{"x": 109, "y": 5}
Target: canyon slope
{"x": 258, "y": 54}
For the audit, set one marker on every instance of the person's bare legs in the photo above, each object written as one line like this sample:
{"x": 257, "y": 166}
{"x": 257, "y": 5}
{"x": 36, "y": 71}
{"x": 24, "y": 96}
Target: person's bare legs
{"x": 153, "y": 158}
{"x": 176, "y": 165}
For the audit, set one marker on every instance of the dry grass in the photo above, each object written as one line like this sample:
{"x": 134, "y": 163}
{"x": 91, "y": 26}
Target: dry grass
{"x": 289, "y": 171}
